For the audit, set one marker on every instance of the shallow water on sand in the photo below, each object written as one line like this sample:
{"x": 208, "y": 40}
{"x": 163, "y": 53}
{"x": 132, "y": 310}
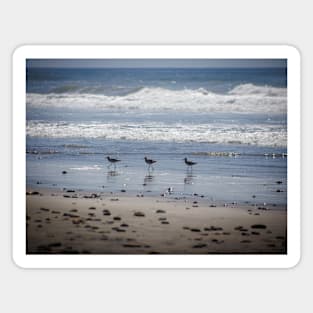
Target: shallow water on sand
{"x": 249, "y": 176}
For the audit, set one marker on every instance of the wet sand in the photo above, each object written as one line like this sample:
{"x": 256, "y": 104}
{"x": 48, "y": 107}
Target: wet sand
{"x": 70, "y": 222}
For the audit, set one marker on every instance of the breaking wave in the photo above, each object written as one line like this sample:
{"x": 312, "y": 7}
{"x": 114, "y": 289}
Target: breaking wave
{"x": 243, "y": 98}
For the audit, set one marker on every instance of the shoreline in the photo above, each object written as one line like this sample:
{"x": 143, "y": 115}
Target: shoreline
{"x": 82, "y": 222}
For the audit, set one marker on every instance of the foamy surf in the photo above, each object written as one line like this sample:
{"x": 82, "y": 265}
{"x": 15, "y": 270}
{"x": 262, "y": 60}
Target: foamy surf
{"x": 87, "y": 168}
{"x": 256, "y": 134}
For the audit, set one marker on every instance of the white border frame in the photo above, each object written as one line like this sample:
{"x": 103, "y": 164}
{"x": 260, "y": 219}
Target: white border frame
{"x": 23, "y": 260}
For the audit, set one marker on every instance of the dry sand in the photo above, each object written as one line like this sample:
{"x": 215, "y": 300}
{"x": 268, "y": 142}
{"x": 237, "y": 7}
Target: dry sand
{"x": 80, "y": 222}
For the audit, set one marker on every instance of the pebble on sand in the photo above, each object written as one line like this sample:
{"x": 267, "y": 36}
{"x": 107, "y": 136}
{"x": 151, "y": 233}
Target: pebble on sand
{"x": 213, "y": 228}
{"x": 240, "y": 228}
{"x": 160, "y": 211}
{"x": 139, "y": 214}
{"x": 195, "y": 230}
{"x": 258, "y": 226}
{"x": 200, "y": 245}
{"x": 120, "y": 230}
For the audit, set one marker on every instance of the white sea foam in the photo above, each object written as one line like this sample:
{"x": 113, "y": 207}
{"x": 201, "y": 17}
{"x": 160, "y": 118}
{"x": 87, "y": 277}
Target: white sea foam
{"x": 86, "y": 168}
{"x": 258, "y": 134}
{"x": 243, "y": 98}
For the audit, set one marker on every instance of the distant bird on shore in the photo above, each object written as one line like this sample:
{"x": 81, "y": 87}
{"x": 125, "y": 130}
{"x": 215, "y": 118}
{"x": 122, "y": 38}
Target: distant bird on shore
{"x": 149, "y": 162}
{"x": 189, "y": 163}
{"x": 113, "y": 161}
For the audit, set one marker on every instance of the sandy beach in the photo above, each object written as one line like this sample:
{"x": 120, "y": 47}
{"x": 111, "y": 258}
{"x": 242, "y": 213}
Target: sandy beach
{"x": 70, "y": 222}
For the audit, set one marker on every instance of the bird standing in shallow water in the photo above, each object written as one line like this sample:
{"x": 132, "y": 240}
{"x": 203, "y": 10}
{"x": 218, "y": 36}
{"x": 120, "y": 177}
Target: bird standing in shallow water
{"x": 189, "y": 163}
{"x": 149, "y": 162}
{"x": 113, "y": 161}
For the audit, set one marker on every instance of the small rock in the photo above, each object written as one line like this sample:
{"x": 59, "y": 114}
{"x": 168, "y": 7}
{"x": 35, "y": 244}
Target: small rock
{"x": 258, "y": 226}
{"x": 200, "y": 245}
{"x": 245, "y": 234}
{"x": 255, "y": 233}
{"x": 70, "y": 215}
{"x": 213, "y": 228}
{"x": 32, "y": 193}
{"x": 160, "y": 211}
{"x": 262, "y": 208}
{"x": 240, "y": 228}
{"x": 139, "y": 214}
{"x": 118, "y": 229}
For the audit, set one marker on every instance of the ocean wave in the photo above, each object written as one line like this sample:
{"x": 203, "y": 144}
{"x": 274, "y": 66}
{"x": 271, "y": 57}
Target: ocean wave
{"x": 264, "y": 91}
{"x": 243, "y": 98}
{"x": 258, "y": 134}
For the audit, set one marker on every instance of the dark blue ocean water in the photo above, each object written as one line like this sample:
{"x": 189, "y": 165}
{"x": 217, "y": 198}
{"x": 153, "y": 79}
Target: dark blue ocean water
{"x": 75, "y": 117}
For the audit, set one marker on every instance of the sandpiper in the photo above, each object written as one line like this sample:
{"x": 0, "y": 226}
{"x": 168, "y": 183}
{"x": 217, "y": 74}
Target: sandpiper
{"x": 189, "y": 163}
{"x": 149, "y": 162}
{"x": 113, "y": 161}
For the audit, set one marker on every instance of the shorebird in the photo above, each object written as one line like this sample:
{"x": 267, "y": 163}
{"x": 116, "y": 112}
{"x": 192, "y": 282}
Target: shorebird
{"x": 149, "y": 162}
{"x": 113, "y": 161}
{"x": 189, "y": 163}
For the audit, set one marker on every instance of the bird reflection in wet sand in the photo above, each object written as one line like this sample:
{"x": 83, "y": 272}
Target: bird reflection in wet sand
{"x": 148, "y": 179}
{"x": 111, "y": 176}
{"x": 188, "y": 180}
